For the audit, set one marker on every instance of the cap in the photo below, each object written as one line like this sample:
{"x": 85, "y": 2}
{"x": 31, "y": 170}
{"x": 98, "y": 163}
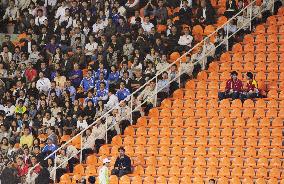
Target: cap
{"x": 106, "y": 160}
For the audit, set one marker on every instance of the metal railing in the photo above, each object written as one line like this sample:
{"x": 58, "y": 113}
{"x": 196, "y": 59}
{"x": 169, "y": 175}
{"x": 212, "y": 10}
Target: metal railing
{"x": 155, "y": 79}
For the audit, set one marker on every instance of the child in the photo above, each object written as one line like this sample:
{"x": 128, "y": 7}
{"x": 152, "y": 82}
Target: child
{"x": 103, "y": 173}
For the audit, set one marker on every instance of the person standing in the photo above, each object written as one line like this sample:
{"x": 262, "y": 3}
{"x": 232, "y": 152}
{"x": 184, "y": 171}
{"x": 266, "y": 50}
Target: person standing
{"x": 103, "y": 172}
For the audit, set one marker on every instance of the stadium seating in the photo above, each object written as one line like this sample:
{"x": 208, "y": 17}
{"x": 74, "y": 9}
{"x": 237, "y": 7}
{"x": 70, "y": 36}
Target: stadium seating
{"x": 193, "y": 137}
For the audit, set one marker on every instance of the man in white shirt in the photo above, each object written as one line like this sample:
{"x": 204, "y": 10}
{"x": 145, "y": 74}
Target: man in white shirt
{"x": 133, "y": 18}
{"x": 163, "y": 64}
{"x": 185, "y": 40}
{"x": 132, "y": 4}
{"x": 147, "y": 25}
{"x": 48, "y": 120}
{"x": 99, "y": 25}
{"x": 43, "y": 84}
{"x": 50, "y": 3}
{"x": 61, "y": 10}
{"x": 125, "y": 115}
{"x": 98, "y": 133}
{"x": 113, "y": 100}
{"x": 39, "y": 20}
{"x": 9, "y": 109}
{"x": 66, "y": 20}
{"x": 81, "y": 123}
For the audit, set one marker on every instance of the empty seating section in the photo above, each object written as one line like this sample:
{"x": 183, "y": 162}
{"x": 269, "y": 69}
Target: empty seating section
{"x": 193, "y": 137}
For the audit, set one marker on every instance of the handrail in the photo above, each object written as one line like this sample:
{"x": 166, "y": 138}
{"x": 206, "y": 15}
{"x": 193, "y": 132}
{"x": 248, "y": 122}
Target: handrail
{"x": 148, "y": 82}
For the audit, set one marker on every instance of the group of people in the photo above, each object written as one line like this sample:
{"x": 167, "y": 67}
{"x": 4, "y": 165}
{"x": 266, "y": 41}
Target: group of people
{"x": 235, "y": 88}
{"x": 74, "y": 60}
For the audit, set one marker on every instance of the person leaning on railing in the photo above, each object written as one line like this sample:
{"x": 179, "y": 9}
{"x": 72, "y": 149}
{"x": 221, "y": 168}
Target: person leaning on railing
{"x": 148, "y": 96}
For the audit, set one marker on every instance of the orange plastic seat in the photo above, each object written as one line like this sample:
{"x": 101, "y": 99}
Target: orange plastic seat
{"x": 199, "y": 171}
{"x": 186, "y": 171}
{"x": 197, "y": 30}
{"x": 238, "y": 151}
{"x": 188, "y": 151}
{"x": 249, "y": 172}
{"x": 237, "y": 162}
{"x": 173, "y": 180}
{"x": 276, "y": 152}
{"x": 264, "y": 141}
{"x": 260, "y": 181}
{"x": 165, "y": 131}
{"x": 136, "y": 180}
{"x": 189, "y": 131}
{"x": 188, "y": 112}
{"x": 113, "y": 179}
{"x": 263, "y": 152}
{"x": 187, "y": 161}
{"x": 153, "y": 121}
{"x": 140, "y": 149}
{"x": 225, "y": 151}
{"x": 177, "y": 103}
{"x": 248, "y": 66}
{"x": 223, "y": 180}
{"x": 177, "y": 113}
{"x": 214, "y": 141}
{"x": 212, "y": 161}
{"x": 177, "y": 140}
{"x": 149, "y": 180}
{"x": 176, "y": 150}
{"x": 276, "y": 141}
{"x": 162, "y": 171}
{"x": 214, "y": 122}
{"x": 260, "y": 29}
{"x": 239, "y": 141}
{"x": 262, "y": 162}
{"x": 152, "y": 141}
{"x": 237, "y": 172}
{"x": 224, "y": 172}
{"x": 153, "y": 131}
{"x": 225, "y": 161}
{"x": 264, "y": 132}
{"x": 124, "y": 180}
{"x": 174, "y": 171}
{"x": 274, "y": 181}
{"x": 261, "y": 47}
{"x": 275, "y": 162}
{"x": 176, "y": 161}
{"x": 260, "y": 38}
{"x": 141, "y": 131}
{"x": 164, "y": 150}
{"x": 261, "y": 172}
{"x": 239, "y": 122}
{"x": 140, "y": 140}
{"x": 150, "y": 170}
{"x": 79, "y": 169}
{"x": 227, "y": 122}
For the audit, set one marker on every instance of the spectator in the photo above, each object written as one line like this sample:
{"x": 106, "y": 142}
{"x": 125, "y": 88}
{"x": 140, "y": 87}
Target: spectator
{"x": 206, "y": 13}
{"x": 185, "y": 40}
{"x": 103, "y": 172}
{"x": 26, "y": 138}
{"x": 122, "y": 164}
{"x": 250, "y": 90}
{"x": 148, "y": 95}
{"x": 22, "y": 169}
{"x": 113, "y": 123}
{"x": 123, "y": 92}
{"x": 49, "y": 148}
{"x": 43, "y": 84}
{"x": 233, "y": 89}
{"x": 231, "y": 8}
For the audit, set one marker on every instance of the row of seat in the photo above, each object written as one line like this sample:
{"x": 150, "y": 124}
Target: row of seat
{"x": 223, "y": 112}
{"x": 207, "y": 122}
{"x": 189, "y": 149}
{"x": 240, "y": 67}
{"x": 175, "y": 180}
{"x": 251, "y": 57}
{"x": 210, "y": 159}
{"x": 153, "y": 130}
{"x": 225, "y": 103}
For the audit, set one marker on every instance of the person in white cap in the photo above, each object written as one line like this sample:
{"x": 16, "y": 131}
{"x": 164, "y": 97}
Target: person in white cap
{"x": 103, "y": 173}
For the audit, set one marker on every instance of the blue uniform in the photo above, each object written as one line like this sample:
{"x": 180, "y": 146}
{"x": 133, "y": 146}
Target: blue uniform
{"x": 122, "y": 94}
{"x": 49, "y": 148}
{"x": 97, "y": 74}
{"x": 102, "y": 94}
{"x": 87, "y": 83}
{"x": 98, "y": 82}
{"x": 94, "y": 100}
{"x": 113, "y": 77}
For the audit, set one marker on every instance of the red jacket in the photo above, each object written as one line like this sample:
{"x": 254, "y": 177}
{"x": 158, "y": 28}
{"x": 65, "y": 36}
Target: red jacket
{"x": 237, "y": 85}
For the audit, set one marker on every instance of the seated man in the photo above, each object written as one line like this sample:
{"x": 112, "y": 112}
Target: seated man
{"x": 233, "y": 89}
{"x": 122, "y": 164}
{"x": 251, "y": 90}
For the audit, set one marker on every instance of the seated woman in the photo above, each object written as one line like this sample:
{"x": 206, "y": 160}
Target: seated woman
{"x": 250, "y": 90}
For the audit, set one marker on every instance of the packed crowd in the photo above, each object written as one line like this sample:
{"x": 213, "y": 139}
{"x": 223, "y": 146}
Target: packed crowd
{"x": 78, "y": 59}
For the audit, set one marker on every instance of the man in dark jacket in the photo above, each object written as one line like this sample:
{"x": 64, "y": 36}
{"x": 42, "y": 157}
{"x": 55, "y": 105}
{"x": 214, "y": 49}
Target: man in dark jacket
{"x": 122, "y": 164}
{"x": 43, "y": 175}
{"x": 9, "y": 174}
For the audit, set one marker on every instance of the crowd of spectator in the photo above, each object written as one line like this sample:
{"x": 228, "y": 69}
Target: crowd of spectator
{"x": 78, "y": 59}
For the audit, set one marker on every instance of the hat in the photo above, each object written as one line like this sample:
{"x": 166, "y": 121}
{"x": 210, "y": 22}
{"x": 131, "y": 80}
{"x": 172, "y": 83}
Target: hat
{"x": 106, "y": 160}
